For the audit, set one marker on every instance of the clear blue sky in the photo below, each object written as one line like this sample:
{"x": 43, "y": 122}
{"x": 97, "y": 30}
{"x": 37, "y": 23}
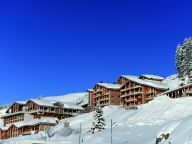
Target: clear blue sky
{"x": 57, "y": 47}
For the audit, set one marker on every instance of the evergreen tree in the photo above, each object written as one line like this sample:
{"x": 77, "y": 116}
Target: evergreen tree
{"x": 184, "y": 58}
{"x": 99, "y": 121}
{"x": 179, "y": 58}
{"x": 66, "y": 131}
{"x": 190, "y": 75}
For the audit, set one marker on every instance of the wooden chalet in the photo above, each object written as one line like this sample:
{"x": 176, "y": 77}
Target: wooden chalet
{"x": 26, "y": 128}
{"x": 138, "y": 91}
{"x": 34, "y": 109}
{"x": 30, "y": 115}
{"x": 124, "y": 78}
{"x": 105, "y": 94}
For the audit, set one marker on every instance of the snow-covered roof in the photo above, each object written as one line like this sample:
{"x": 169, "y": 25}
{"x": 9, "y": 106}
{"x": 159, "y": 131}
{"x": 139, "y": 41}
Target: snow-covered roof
{"x": 21, "y": 102}
{"x": 73, "y": 98}
{"x": 178, "y": 88}
{"x": 34, "y": 122}
{"x": 152, "y": 76}
{"x": 129, "y": 76}
{"x": 47, "y": 120}
{"x": 154, "y": 84}
{"x": 3, "y": 111}
{"x": 110, "y": 85}
{"x": 174, "y": 81}
{"x": 16, "y": 102}
{"x": 10, "y": 114}
{"x": 51, "y": 103}
{"x": 46, "y": 102}
{"x": 90, "y": 90}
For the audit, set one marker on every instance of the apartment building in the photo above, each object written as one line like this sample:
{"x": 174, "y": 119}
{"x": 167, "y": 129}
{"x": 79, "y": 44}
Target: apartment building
{"x": 27, "y": 116}
{"x": 105, "y": 94}
{"x": 138, "y": 90}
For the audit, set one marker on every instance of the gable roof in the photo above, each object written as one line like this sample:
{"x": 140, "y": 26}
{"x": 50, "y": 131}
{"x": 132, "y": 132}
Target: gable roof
{"x": 149, "y": 83}
{"x": 152, "y": 76}
{"x": 17, "y": 102}
{"x": 89, "y": 90}
{"x": 51, "y": 103}
{"x": 178, "y": 88}
{"x": 34, "y": 122}
{"x": 46, "y": 120}
{"x": 128, "y": 76}
{"x": 110, "y": 86}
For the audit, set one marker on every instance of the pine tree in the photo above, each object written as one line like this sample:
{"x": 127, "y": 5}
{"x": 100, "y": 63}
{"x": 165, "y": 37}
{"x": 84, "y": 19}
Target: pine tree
{"x": 184, "y": 58}
{"x": 190, "y": 75}
{"x": 48, "y": 131}
{"x": 179, "y": 58}
{"x": 66, "y": 131}
{"x": 99, "y": 121}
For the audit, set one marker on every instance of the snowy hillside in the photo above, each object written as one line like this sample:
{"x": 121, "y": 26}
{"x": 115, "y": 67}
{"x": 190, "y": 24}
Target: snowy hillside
{"x": 2, "y": 112}
{"x": 161, "y": 116}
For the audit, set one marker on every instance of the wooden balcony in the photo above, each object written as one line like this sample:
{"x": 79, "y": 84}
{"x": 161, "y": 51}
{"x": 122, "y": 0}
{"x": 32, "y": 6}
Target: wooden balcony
{"x": 151, "y": 92}
{"x": 132, "y": 106}
{"x": 53, "y": 112}
{"x": 130, "y": 88}
{"x": 106, "y": 93}
{"x": 106, "y": 98}
{"x": 97, "y": 95}
{"x": 104, "y": 104}
{"x": 189, "y": 92}
{"x": 149, "y": 98}
{"x": 138, "y": 92}
{"x": 130, "y": 100}
{"x": 98, "y": 91}
{"x": 132, "y": 94}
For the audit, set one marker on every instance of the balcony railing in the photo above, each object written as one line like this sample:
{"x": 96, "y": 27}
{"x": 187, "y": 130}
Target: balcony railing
{"x": 151, "y": 91}
{"x": 131, "y": 93}
{"x": 130, "y": 100}
{"x": 106, "y": 93}
{"x": 130, "y": 88}
{"x": 149, "y": 98}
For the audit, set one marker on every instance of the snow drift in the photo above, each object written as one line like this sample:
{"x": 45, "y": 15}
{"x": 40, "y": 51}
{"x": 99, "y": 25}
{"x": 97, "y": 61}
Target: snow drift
{"x": 141, "y": 126}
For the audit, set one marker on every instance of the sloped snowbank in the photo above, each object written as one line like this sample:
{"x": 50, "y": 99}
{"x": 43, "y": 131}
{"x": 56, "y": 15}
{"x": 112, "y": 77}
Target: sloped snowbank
{"x": 142, "y": 126}
{"x": 172, "y": 81}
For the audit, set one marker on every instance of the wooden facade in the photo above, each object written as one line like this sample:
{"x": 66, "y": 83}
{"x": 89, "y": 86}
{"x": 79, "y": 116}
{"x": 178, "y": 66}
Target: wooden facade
{"x": 133, "y": 94}
{"x": 34, "y": 110}
{"x": 104, "y": 96}
{"x": 14, "y": 131}
{"x": 90, "y": 99}
{"x": 17, "y": 107}
{"x": 59, "y": 112}
{"x": 16, "y": 114}
{"x": 183, "y": 91}
{"x": 9, "y": 119}
{"x": 122, "y": 80}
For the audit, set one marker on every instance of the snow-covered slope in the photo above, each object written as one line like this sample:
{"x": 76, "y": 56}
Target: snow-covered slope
{"x": 173, "y": 81}
{"x": 75, "y": 98}
{"x": 2, "y": 112}
{"x": 141, "y": 126}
